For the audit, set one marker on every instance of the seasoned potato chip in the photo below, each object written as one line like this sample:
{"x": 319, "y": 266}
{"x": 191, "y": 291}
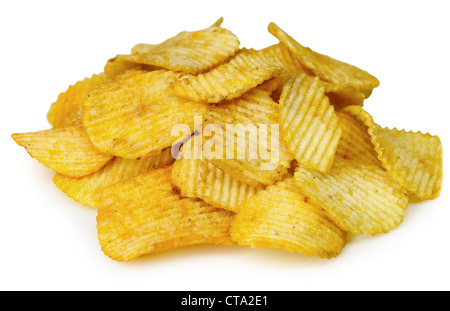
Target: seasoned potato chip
{"x": 66, "y": 150}
{"x": 144, "y": 215}
{"x": 68, "y": 105}
{"x": 197, "y": 177}
{"x": 308, "y": 122}
{"x": 132, "y": 116}
{"x": 414, "y": 160}
{"x": 246, "y": 70}
{"x": 327, "y": 68}
{"x": 87, "y": 189}
{"x": 280, "y": 217}
{"x": 119, "y": 65}
{"x": 355, "y": 141}
{"x": 189, "y": 52}
{"x": 253, "y": 151}
{"x": 359, "y": 197}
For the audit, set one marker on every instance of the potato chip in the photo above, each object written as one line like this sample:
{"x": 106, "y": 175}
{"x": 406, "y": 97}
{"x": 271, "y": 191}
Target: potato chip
{"x": 87, "y": 189}
{"x": 308, "y": 123}
{"x": 119, "y": 65}
{"x": 280, "y": 217}
{"x": 246, "y": 70}
{"x": 327, "y": 68}
{"x": 68, "y": 105}
{"x": 197, "y": 177}
{"x": 189, "y": 52}
{"x": 145, "y": 215}
{"x": 359, "y": 197}
{"x": 414, "y": 160}
{"x": 355, "y": 141}
{"x": 252, "y": 149}
{"x": 132, "y": 116}
{"x": 66, "y": 150}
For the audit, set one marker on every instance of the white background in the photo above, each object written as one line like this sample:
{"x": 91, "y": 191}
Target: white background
{"x": 49, "y": 242}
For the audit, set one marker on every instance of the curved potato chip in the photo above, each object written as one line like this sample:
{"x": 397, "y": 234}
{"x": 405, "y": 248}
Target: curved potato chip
{"x": 246, "y": 70}
{"x": 119, "y": 65}
{"x": 189, "y": 52}
{"x": 132, "y": 116}
{"x": 325, "y": 67}
{"x": 68, "y": 105}
{"x": 87, "y": 189}
{"x": 199, "y": 178}
{"x": 355, "y": 142}
{"x": 414, "y": 160}
{"x": 309, "y": 125}
{"x": 359, "y": 197}
{"x": 280, "y": 217}
{"x": 66, "y": 150}
{"x": 144, "y": 215}
{"x": 253, "y": 151}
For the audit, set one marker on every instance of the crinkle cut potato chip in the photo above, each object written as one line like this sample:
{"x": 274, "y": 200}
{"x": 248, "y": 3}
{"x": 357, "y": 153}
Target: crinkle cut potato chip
{"x": 189, "y": 52}
{"x": 248, "y": 69}
{"x": 252, "y": 150}
{"x": 280, "y": 217}
{"x": 355, "y": 141}
{"x": 68, "y": 105}
{"x": 132, "y": 116}
{"x": 117, "y": 66}
{"x": 325, "y": 67}
{"x": 197, "y": 177}
{"x": 66, "y": 150}
{"x": 359, "y": 197}
{"x": 414, "y": 160}
{"x": 145, "y": 215}
{"x": 308, "y": 123}
{"x": 87, "y": 189}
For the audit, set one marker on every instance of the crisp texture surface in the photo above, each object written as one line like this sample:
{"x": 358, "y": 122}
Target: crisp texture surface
{"x": 280, "y": 217}
{"x": 132, "y": 116}
{"x": 144, "y": 215}
{"x": 66, "y": 150}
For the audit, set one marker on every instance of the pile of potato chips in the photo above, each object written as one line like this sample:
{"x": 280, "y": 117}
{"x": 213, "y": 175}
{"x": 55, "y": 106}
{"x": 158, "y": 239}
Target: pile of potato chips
{"x": 336, "y": 170}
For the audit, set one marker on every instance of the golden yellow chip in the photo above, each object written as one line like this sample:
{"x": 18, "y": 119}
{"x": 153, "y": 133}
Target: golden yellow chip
{"x": 66, "y": 150}
{"x": 189, "y": 52}
{"x": 87, "y": 189}
{"x": 355, "y": 141}
{"x": 327, "y": 68}
{"x": 68, "y": 105}
{"x": 132, "y": 116}
{"x": 359, "y": 197}
{"x": 118, "y": 66}
{"x": 246, "y": 70}
{"x": 197, "y": 177}
{"x": 252, "y": 150}
{"x": 414, "y": 160}
{"x": 308, "y": 123}
{"x": 145, "y": 215}
{"x": 280, "y": 217}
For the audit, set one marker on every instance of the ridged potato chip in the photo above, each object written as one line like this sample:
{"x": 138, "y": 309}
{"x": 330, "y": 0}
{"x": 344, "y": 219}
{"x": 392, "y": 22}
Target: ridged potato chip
{"x": 145, "y": 215}
{"x": 68, "y": 105}
{"x": 252, "y": 150}
{"x": 327, "y": 68}
{"x": 308, "y": 123}
{"x": 246, "y": 70}
{"x": 189, "y": 52}
{"x": 359, "y": 197}
{"x": 197, "y": 177}
{"x": 355, "y": 141}
{"x": 66, "y": 150}
{"x": 414, "y": 160}
{"x": 132, "y": 116}
{"x": 87, "y": 189}
{"x": 280, "y": 217}
{"x": 117, "y": 66}
{"x": 342, "y": 95}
